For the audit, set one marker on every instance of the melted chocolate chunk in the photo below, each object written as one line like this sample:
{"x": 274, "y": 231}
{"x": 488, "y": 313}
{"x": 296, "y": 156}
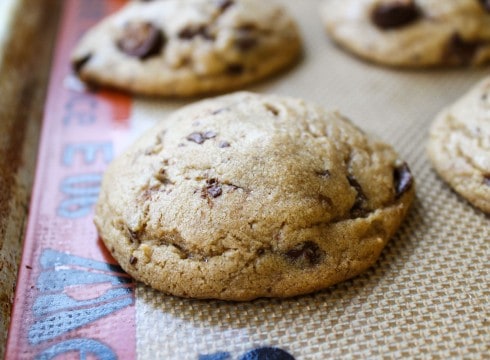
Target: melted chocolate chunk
{"x": 79, "y": 63}
{"x": 323, "y": 173}
{"x": 213, "y": 188}
{"x": 235, "y": 69}
{"x": 163, "y": 178}
{"x": 133, "y": 260}
{"x": 460, "y": 51}
{"x": 325, "y": 201}
{"x": 272, "y": 109}
{"x": 196, "y": 137}
{"x": 141, "y": 40}
{"x": 223, "y": 5}
{"x": 134, "y": 236}
{"x": 486, "y": 180}
{"x": 246, "y": 37}
{"x": 218, "y": 111}
{"x": 245, "y": 43}
{"x": 200, "y": 138}
{"x": 395, "y": 14}
{"x": 485, "y": 4}
{"x": 307, "y": 253}
{"x": 191, "y": 32}
{"x": 403, "y": 179}
{"x": 209, "y": 134}
{"x": 359, "y": 208}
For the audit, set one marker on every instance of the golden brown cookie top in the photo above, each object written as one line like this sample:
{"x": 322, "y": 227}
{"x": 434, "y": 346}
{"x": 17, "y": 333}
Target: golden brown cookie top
{"x": 235, "y": 182}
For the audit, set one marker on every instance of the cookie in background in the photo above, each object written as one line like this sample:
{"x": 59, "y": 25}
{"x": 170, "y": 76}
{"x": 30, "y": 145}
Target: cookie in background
{"x": 459, "y": 145}
{"x": 411, "y": 33}
{"x": 184, "y": 48}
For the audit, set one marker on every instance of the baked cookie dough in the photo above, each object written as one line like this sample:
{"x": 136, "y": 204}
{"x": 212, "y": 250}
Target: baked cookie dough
{"x": 188, "y": 47}
{"x": 459, "y": 145}
{"x": 245, "y": 196}
{"x": 412, "y": 33}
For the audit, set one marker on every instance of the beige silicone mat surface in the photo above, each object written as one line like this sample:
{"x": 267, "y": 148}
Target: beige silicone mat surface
{"x": 428, "y": 295}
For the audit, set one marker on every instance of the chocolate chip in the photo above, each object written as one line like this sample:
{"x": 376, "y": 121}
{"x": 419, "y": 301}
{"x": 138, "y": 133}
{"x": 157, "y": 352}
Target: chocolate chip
{"x": 323, "y": 173}
{"x": 200, "y": 138}
{"x": 141, "y": 40}
{"x": 403, "y": 179}
{"x": 307, "y": 253}
{"x": 213, "y": 188}
{"x": 224, "y": 144}
{"x": 79, "y": 63}
{"x": 246, "y": 37}
{"x": 133, "y": 260}
{"x": 162, "y": 177}
{"x": 460, "y": 51}
{"x": 247, "y": 27}
{"x": 272, "y": 109}
{"x": 359, "y": 208}
{"x": 325, "y": 201}
{"x": 245, "y": 43}
{"x": 485, "y": 4}
{"x": 196, "y": 137}
{"x": 486, "y": 180}
{"x": 223, "y": 5}
{"x": 217, "y": 111}
{"x": 191, "y": 32}
{"x": 133, "y": 236}
{"x": 209, "y": 134}
{"x": 235, "y": 69}
{"x": 395, "y": 14}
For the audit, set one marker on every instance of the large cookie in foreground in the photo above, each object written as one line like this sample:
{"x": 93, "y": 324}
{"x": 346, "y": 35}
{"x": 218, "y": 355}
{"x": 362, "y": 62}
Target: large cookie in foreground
{"x": 247, "y": 196}
{"x": 412, "y": 33}
{"x": 459, "y": 145}
{"x": 188, "y": 47}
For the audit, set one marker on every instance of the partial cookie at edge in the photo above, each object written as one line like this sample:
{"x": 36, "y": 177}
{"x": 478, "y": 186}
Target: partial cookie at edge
{"x": 459, "y": 145}
{"x": 411, "y": 33}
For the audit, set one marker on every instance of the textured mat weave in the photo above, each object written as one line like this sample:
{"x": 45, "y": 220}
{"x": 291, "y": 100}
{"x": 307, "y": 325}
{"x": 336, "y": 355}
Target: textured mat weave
{"x": 428, "y": 296}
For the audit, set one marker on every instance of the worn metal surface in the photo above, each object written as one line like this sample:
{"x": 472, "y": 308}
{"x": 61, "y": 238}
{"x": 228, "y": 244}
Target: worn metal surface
{"x": 26, "y": 40}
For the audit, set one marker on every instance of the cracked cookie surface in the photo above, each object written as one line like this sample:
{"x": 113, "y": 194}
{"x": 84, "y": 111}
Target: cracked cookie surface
{"x": 245, "y": 196}
{"x": 188, "y": 47}
{"x": 459, "y": 145}
{"x": 412, "y": 33}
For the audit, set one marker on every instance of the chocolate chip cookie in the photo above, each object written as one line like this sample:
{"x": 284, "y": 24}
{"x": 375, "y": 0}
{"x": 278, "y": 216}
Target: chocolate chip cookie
{"x": 459, "y": 145}
{"x": 245, "y": 196}
{"x": 412, "y": 33}
{"x": 188, "y": 47}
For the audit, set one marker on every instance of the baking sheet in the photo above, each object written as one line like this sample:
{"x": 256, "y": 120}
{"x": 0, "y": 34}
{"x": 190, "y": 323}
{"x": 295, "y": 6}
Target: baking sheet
{"x": 426, "y": 297}
{"x": 24, "y": 72}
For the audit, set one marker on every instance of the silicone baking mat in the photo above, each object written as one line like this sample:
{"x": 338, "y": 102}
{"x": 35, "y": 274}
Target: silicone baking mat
{"x": 427, "y": 296}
